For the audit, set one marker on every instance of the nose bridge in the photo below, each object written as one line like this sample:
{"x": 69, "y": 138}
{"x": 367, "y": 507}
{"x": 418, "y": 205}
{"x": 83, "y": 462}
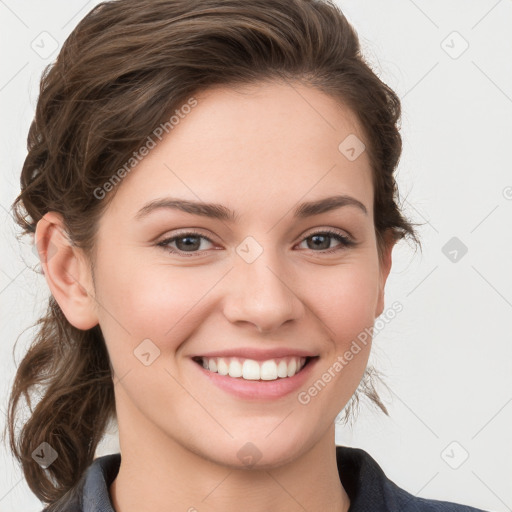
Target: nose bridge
{"x": 262, "y": 294}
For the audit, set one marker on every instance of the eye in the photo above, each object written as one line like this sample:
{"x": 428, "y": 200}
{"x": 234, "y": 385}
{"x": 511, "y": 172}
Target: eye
{"x": 188, "y": 242}
{"x": 322, "y": 240}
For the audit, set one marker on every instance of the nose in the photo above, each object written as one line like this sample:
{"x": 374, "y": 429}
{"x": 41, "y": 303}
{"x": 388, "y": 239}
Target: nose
{"x": 261, "y": 293}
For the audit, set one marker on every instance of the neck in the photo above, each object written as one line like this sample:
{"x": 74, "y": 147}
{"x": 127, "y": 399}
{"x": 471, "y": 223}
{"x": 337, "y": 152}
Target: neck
{"x": 157, "y": 473}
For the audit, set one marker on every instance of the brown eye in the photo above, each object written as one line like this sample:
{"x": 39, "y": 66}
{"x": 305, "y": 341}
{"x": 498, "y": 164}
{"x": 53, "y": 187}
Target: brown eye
{"x": 189, "y": 242}
{"x": 321, "y": 241}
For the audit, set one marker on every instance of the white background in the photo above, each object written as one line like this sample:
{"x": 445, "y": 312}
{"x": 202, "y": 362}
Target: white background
{"x": 448, "y": 355}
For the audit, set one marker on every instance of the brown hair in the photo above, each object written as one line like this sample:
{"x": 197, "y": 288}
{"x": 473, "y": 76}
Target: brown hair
{"x": 124, "y": 69}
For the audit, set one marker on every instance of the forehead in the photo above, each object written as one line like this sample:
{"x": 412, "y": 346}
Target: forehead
{"x": 255, "y": 146}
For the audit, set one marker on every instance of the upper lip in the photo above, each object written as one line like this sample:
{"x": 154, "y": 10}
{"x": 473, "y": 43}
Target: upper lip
{"x": 258, "y": 354}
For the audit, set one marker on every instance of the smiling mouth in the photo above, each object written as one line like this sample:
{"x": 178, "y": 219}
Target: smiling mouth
{"x": 249, "y": 369}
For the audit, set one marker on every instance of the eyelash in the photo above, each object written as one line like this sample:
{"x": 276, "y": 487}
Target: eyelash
{"x": 345, "y": 242}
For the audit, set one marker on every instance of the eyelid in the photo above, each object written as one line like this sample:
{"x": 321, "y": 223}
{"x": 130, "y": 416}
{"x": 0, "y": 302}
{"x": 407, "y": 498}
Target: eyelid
{"x": 330, "y": 230}
{"x": 182, "y": 232}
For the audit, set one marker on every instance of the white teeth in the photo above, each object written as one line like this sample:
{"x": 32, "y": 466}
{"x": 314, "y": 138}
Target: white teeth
{"x": 212, "y": 365}
{"x": 250, "y": 369}
{"x": 235, "y": 369}
{"x": 292, "y": 368}
{"x": 268, "y": 370}
{"x": 282, "y": 369}
{"x": 222, "y": 366}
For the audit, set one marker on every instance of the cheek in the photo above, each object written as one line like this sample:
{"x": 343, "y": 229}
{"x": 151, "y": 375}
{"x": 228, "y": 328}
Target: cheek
{"x": 345, "y": 305}
{"x": 158, "y": 302}
{"x": 345, "y": 299}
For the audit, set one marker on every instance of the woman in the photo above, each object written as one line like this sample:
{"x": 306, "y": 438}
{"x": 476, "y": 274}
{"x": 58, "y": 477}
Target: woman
{"x": 210, "y": 185}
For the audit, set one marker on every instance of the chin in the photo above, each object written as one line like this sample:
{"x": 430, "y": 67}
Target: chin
{"x": 255, "y": 454}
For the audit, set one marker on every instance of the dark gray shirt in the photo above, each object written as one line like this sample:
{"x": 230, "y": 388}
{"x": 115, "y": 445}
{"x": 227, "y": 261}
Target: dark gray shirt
{"x": 364, "y": 481}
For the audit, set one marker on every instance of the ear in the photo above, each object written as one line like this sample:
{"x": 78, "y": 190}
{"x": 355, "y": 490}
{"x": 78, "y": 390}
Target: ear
{"x": 67, "y": 272}
{"x": 385, "y": 267}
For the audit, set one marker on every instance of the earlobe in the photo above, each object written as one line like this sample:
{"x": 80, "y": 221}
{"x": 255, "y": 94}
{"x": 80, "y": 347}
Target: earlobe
{"x": 385, "y": 268}
{"x": 67, "y": 272}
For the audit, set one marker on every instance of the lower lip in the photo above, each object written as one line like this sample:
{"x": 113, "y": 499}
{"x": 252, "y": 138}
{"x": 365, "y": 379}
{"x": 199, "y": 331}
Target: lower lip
{"x": 259, "y": 389}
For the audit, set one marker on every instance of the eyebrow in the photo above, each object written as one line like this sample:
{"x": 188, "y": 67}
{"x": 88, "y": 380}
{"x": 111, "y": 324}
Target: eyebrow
{"x": 218, "y": 211}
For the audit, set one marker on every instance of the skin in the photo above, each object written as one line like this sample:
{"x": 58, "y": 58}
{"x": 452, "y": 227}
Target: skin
{"x": 260, "y": 151}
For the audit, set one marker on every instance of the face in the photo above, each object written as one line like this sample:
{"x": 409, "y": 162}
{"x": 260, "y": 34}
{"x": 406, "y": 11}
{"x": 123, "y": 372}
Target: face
{"x": 266, "y": 285}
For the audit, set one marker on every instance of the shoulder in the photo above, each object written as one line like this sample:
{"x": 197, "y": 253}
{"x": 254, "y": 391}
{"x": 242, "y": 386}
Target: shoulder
{"x": 91, "y": 492}
{"x": 370, "y": 489}
{"x": 407, "y": 502}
